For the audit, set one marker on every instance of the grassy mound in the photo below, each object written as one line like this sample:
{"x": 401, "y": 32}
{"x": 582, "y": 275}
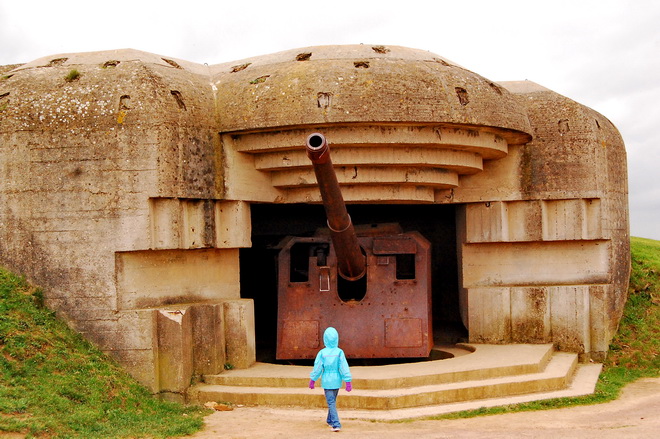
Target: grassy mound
{"x": 55, "y": 384}
{"x": 637, "y": 343}
{"x": 634, "y": 350}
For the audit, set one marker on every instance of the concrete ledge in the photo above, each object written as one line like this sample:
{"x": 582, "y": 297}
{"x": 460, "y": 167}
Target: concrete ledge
{"x": 556, "y": 376}
{"x": 584, "y": 383}
{"x": 486, "y": 361}
{"x": 491, "y": 375}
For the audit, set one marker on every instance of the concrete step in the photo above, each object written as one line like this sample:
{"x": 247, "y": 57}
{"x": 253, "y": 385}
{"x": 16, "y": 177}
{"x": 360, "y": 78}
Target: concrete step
{"x": 488, "y": 373}
{"x": 470, "y": 362}
{"x": 584, "y": 383}
{"x": 556, "y": 376}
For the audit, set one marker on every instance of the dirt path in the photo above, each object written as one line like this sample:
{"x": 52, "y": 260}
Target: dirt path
{"x": 636, "y": 414}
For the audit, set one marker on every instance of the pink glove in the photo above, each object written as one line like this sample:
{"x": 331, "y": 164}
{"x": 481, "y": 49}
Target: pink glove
{"x": 349, "y": 386}
{"x": 311, "y": 384}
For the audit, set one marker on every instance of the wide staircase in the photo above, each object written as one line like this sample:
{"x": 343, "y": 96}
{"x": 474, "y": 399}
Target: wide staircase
{"x": 474, "y": 376}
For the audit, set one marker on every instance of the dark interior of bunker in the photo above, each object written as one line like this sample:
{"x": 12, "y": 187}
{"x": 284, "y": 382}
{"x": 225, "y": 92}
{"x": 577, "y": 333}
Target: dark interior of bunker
{"x": 272, "y": 223}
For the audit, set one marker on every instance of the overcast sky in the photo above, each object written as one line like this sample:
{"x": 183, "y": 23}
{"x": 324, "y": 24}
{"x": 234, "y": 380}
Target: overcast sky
{"x": 604, "y": 54}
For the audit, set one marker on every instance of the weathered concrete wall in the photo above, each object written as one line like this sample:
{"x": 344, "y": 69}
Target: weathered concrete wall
{"x": 108, "y": 195}
{"x": 359, "y": 84}
{"x": 559, "y": 230}
{"x": 126, "y": 191}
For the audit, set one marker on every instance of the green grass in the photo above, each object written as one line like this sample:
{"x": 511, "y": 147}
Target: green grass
{"x": 72, "y": 75}
{"x": 637, "y": 343}
{"x": 633, "y": 351}
{"x": 55, "y": 384}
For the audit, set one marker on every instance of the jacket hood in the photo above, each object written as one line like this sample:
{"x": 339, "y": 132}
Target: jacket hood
{"x": 331, "y": 338}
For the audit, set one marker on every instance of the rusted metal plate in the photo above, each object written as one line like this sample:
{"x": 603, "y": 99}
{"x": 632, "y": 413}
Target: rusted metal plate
{"x": 302, "y": 334}
{"x": 385, "y": 315}
{"x": 393, "y": 245}
{"x": 403, "y": 333}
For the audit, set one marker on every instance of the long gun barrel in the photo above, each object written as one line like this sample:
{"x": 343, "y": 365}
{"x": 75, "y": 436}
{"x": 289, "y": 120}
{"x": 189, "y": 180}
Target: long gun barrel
{"x": 351, "y": 260}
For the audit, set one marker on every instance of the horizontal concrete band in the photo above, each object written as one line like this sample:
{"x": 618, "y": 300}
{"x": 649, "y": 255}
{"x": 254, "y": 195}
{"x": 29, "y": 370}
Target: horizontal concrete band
{"x": 516, "y": 370}
{"x": 487, "y": 143}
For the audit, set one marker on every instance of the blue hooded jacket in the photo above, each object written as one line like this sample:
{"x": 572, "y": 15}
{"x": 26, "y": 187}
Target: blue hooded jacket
{"x": 330, "y": 363}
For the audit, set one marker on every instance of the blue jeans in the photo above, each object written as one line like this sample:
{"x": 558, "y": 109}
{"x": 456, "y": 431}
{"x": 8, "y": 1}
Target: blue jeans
{"x": 331, "y": 399}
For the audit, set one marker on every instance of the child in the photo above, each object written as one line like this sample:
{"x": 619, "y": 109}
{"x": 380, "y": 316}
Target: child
{"x": 331, "y": 366}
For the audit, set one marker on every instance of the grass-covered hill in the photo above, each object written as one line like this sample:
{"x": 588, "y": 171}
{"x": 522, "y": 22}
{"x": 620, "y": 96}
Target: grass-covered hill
{"x": 636, "y": 347}
{"x": 54, "y": 384}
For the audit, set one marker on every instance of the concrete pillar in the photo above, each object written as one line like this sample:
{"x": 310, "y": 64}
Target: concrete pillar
{"x": 530, "y": 315}
{"x": 489, "y": 312}
{"x": 174, "y": 363}
{"x": 208, "y": 339}
{"x": 233, "y": 224}
{"x": 600, "y": 320}
{"x": 239, "y": 333}
{"x": 191, "y": 342}
{"x": 570, "y": 320}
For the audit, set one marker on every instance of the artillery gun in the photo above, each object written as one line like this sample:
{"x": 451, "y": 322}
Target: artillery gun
{"x": 371, "y": 282}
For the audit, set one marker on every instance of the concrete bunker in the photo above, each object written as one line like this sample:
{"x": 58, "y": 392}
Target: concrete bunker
{"x": 142, "y": 195}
